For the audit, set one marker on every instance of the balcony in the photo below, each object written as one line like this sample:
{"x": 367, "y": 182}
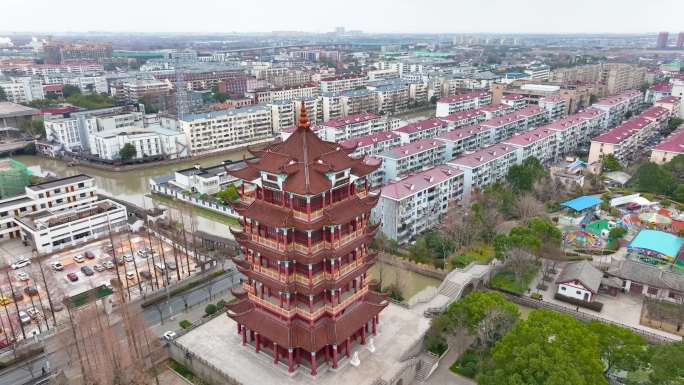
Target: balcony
{"x": 314, "y": 248}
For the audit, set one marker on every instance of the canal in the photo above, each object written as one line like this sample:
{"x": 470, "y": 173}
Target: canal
{"x": 133, "y": 186}
{"x": 409, "y": 283}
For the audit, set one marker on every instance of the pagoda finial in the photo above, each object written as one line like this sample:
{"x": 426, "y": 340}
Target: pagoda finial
{"x": 303, "y": 120}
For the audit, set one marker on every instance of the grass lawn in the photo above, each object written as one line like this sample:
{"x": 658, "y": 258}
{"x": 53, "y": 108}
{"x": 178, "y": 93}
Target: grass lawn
{"x": 186, "y": 373}
{"x": 213, "y": 215}
{"x": 481, "y": 254}
{"x": 505, "y": 280}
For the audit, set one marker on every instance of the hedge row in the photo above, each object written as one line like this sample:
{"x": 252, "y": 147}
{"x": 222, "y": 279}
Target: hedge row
{"x": 594, "y": 305}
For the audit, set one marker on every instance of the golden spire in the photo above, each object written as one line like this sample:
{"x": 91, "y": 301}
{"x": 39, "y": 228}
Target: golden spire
{"x": 303, "y": 120}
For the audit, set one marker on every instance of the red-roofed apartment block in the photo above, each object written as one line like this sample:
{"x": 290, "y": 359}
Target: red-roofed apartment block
{"x": 462, "y": 102}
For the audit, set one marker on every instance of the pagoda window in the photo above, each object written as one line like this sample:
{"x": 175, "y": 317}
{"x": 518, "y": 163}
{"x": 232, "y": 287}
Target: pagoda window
{"x": 316, "y": 203}
{"x": 299, "y": 203}
{"x": 340, "y": 194}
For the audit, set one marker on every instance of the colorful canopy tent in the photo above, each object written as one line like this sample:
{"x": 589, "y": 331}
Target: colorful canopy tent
{"x": 655, "y": 218}
{"x": 600, "y": 228}
{"x": 582, "y": 203}
{"x": 656, "y": 244}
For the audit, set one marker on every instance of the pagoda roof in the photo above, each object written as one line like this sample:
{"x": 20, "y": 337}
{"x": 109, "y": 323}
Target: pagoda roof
{"x": 283, "y": 217}
{"x": 305, "y": 158}
{"x": 298, "y": 333}
{"x": 306, "y": 258}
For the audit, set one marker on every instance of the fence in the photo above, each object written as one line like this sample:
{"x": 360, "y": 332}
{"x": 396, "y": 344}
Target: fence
{"x": 203, "y": 203}
{"x": 419, "y": 268}
{"x": 533, "y": 303}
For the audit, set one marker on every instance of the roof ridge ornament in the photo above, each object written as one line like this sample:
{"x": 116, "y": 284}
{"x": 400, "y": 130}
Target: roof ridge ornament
{"x": 303, "y": 119}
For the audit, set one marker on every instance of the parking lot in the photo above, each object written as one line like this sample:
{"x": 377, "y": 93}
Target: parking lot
{"x": 141, "y": 268}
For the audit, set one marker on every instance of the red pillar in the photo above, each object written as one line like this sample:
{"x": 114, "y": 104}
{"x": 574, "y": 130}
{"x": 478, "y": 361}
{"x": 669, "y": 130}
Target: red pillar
{"x": 275, "y": 353}
{"x": 244, "y": 336}
{"x": 346, "y": 347}
{"x": 327, "y": 353}
{"x": 290, "y": 366}
{"x": 313, "y": 363}
{"x": 257, "y": 343}
{"x": 375, "y": 325}
{"x": 251, "y": 336}
{"x": 239, "y": 328}
{"x": 334, "y": 356}
{"x": 363, "y": 335}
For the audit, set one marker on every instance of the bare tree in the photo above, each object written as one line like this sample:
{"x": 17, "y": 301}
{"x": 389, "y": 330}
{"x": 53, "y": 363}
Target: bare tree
{"x": 527, "y": 207}
{"x": 518, "y": 262}
{"x": 493, "y": 326}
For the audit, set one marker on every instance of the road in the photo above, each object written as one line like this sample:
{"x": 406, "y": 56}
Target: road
{"x": 25, "y": 372}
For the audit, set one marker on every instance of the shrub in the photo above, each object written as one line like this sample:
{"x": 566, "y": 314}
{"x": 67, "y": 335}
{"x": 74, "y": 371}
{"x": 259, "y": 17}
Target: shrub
{"x": 595, "y": 306}
{"x": 221, "y": 304}
{"x": 210, "y": 309}
{"x": 542, "y": 286}
{"x": 184, "y": 324}
{"x": 467, "y": 364}
{"x": 435, "y": 344}
{"x": 536, "y": 296}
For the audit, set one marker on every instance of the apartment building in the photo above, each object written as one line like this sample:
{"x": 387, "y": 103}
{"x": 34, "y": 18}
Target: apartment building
{"x": 577, "y": 129}
{"x": 343, "y": 83}
{"x": 627, "y": 140}
{"x": 153, "y": 142}
{"x": 32, "y": 69}
{"x": 22, "y": 89}
{"x": 353, "y": 126}
{"x": 538, "y": 72}
{"x": 678, "y": 91}
{"x": 428, "y": 128}
{"x": 406, "y": 159}
{"x": 391, "y": 98}
{"x": 555, "y": 107}
{"x": 65, "y": 132}
{"x": 576, "y": 95}
{"x": 618, "y": 106}
{"x": 671, "y": 103}
{"x": 517, "y": 101}
{"x": 417, "y": 203}
{"x": 282, "y": 115}
{"x": 204, "y": 80}
{"x": 418, "y": 92}
{"x": 465, "y": 118}
{"x": 468, "y": 101}
{"x": 658, "y": 91}
{"x": 617, "y": 77}
{"x": 485, "y": 167}
{"x": 59, "y": 213}
{"x": 87, "y": 84}
{"x": 539, "y": 143}
{"x": 670, "y": 147}
{"x": 313, "y": 106}
{"x": 522, "y": 120}
{"x": 226, "y": 129}
{"x": 462, "y": 139}
{"x": 331, "y": 103}
{"x": 371, "y": 145}
{"x": 134, "y": 90}
{"x": 383, "y": 74}
{"x": 358, "y": 101}
{"x": 309, "y": 90}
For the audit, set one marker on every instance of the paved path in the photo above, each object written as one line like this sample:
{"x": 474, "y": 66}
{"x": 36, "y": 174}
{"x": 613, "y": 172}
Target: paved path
{"x": 442, "y": 375}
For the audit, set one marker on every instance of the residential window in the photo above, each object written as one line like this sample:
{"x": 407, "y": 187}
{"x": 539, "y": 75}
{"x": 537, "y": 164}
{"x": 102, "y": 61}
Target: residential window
{"x": 562, "y": 288}
{"x": 578, "y": 292}
{"x": 652, "y": 290}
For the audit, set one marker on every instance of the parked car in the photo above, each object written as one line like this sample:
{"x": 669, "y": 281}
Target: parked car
{"x": 98, "y": 267}
{"x": 20, "y": 263}
{"x": 130, "y": 275}
{"x": 79, "y": 258}
{"x": 89, "y": 254}
{"x": 169, "y": 335}
{"x": 87, "y": 270}
{"x": 128, "y": 258}
{"x": 160, "y": 266}
{"x": 24, "y": 318}
{"x": 30, "y": 290}
{"x": 144, "y": 252}
{"x": 109, "y": 265}
{"x": 145, "y": 274}
{"x": 22, "y": 276}
{"x": 72, "y": 277}
{"x": 18, "y": 296}
{"x": 57, "y": 266}
{"x": 171, "y": 265}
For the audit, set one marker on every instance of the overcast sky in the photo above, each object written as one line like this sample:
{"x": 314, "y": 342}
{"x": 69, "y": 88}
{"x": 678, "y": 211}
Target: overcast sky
{"x": 443, "y": 16}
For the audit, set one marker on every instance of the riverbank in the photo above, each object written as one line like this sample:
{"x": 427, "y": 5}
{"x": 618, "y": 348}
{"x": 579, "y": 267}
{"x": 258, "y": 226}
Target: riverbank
{"x": 168, "y": 201}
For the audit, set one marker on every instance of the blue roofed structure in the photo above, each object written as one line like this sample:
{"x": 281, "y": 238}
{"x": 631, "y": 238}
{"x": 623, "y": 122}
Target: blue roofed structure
{"x": 582, "y": 203}
{"x": 665, "y": 245}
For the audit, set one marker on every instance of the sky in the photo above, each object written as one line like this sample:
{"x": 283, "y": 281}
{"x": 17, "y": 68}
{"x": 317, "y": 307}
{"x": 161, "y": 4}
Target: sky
{"x": 375, "y": 16}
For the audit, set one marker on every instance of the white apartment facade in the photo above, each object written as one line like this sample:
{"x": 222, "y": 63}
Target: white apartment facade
{"x": 485, "y": 167}
{"x": 428, "y": 128}
{"x": 403, "y": 160}
{"x": 468, "y": 101}
{"x": 22, "y": 89}
{"x": 619, "y": 105}
{"x": 354, "y": 126}
{"x": 372, "y": 145}
{"x": 415, "y": 204}
{"x": 343, "y": 83}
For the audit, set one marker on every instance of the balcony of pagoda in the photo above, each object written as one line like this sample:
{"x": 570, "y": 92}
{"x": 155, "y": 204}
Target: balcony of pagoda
{"x": 316, "y": 277}
{"x": 282, "y": 244}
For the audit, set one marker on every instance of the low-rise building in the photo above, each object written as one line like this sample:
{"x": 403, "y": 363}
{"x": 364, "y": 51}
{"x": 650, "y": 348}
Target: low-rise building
{"x": 577, "y": 129}
{"x": 392, "y": 98}
{"x": 417, "y": 203}
{"x": 428, "y": 128}
{"x": 522, "y": 120}
{"x": 555, "y": 107}
{"x": 468, "y": 101}
{"x": 16, "y": 115}
{"x": 401, "y": 161}
{"x": 331, "y": 103}
{"x": 539, "y": 143}
{"x": 658, "y": 91}
{"x": 485, "y": 167}
{"x": 579, "y": 280}
{"x": 227, "y": 129}
{"x": 671, "y": 103}
{"x": 22, "y": 89}
{"x": 282, "y": 115}
{"x": 343, "y": 83}
{"x": 373, "y": 144}
{"x": 618, "y": 106}
{"x": 349, "y": 127}
{"x": 358, "y": 101}
{"x": 516, "y": 101}
{"x": 154, "y": 142}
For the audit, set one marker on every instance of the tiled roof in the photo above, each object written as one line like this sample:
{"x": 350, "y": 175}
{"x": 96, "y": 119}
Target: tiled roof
{"x": 673, "y": 143}
{"x": 415, "y": 183}
{"x": 654, "y": 112}
{"x": 661, "y": 87}
{"x": 367, "y": 140}
{"x": 529, "y": 137}
{"x": 617, "y": 99}
{"x": 461, "y": 133}
{"x": 623, "y": 131}
{"x": 462, "y": 115}
{"x": 412, "y": 148}
{"x": 421, "y": 125}
{"x": 482, "y": 156}
{"x": 668, "y": 99}
{"x": 351, "y": 119}
{"x": 463, "y": 97}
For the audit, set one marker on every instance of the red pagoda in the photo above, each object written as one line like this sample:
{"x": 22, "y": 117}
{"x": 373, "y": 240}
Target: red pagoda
{"x": 306, "y": 231}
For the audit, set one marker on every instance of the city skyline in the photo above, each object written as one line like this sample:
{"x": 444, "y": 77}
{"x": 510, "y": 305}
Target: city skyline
{"x": 376, "y": 17}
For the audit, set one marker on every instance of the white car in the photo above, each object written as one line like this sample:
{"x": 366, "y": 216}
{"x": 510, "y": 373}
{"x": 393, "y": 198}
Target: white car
{"x": 79, "y": 258}
{"x": 130, "y": 275}
{"x": 57, "y": 266}
{"x": 169, "y": 335}
{"x": 24, "y": 318}
{"x": 22, "y": 276}
{"x": 128, "y": 258}
{"x": 20, "y": 263}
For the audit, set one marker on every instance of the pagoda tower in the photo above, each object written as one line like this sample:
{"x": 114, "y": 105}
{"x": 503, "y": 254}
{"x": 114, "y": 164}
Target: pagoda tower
{"x": 305, "y": 212}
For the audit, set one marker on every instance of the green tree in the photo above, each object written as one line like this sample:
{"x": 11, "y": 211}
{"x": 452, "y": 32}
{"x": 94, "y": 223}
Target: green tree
{"x": 546, "y": 349}
{"x": 522, "y": 177}
{"x": 210, "y": 309}
{"x": 620, "y": 348}
{"x": 229, "y": 194}
{"x": 487, "y": 316}
{"x": 617, "y": 233}
{"x": 666, "y": 364}
{"x": 674, "y": 123}
{"x": 610, "y": 163}
{"x": 127, "y": 152}
{"x": 649, "y": 177}
{"x": 676, "y": 167}
{"x": 3, "y": 95}
{"x": 69, "y": 91}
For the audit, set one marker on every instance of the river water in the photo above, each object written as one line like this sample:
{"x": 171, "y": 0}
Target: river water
{"x": 132, "y": 186}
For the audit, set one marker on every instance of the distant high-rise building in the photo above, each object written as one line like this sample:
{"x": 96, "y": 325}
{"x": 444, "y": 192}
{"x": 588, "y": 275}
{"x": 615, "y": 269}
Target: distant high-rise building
{"x": 680, "y": 40}
{"x": 339, "y": 30}
{"x": 662, "y": 40}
